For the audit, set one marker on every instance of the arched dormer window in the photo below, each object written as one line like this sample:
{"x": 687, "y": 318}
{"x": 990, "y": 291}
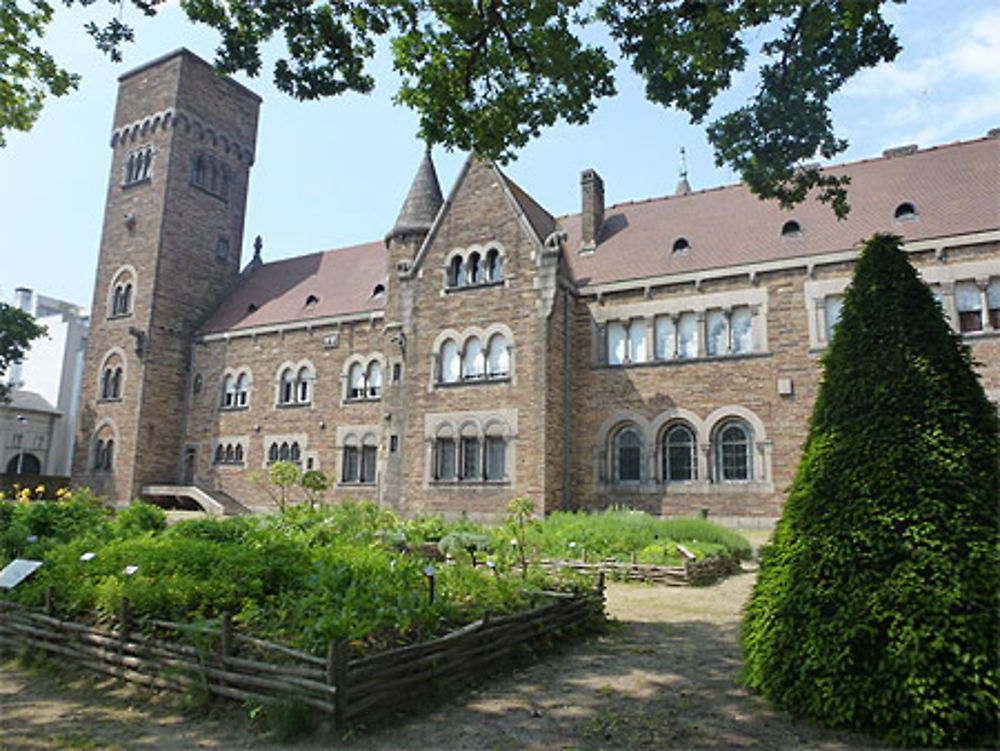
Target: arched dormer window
{"x": 791, "y": 228}
{"x": 455, "y": 275}
{"x": 494, "y": 265}
{"x": 681, "y": 246}
{"x": 905, "y": 212}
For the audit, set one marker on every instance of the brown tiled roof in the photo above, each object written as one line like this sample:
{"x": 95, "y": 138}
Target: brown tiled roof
{"x": 540, "y": 220}
{"x": 273, "y": 293}
{"x": 955, "y": 189}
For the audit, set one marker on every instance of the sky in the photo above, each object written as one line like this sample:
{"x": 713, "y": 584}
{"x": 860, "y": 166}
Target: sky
{"x": 334, "y": 173}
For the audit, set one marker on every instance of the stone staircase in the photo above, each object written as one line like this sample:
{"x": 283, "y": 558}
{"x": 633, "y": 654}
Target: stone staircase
{"x": 214, "y": 502}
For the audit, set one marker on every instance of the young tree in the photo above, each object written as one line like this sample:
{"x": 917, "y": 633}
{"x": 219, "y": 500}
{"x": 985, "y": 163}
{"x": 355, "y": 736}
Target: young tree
{"x": 876, "y": 604}
{"x": 488, "y": 76}
{"x": 17, "y": 330}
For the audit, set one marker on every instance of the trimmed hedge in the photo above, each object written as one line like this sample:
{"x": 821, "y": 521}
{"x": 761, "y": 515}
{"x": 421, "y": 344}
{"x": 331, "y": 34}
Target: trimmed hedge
{"x": 876, "y": 604}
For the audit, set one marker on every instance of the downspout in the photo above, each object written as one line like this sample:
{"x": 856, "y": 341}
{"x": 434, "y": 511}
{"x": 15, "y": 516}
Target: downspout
{"x": 565, "y": 436}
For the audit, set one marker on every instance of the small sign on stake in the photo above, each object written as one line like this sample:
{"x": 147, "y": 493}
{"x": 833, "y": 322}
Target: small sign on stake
{"x": 88, "y": 556}
{"x": 17, "y": 571}
{"x": 129, "y": 570}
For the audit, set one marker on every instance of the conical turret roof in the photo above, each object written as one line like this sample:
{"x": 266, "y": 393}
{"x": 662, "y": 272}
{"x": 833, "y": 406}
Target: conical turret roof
{"x": 422, "y": 202}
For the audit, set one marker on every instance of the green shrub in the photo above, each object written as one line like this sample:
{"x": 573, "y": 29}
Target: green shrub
{"x": 137, "y": 518}
{"x": 876, "y": 605}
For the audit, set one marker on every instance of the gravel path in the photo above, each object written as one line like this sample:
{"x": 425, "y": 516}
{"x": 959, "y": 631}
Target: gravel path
{"x": 664, "y": 677}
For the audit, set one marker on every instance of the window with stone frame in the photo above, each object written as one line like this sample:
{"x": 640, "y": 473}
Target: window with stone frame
{"x": 364, "y": 381}
{"x": 969, "y": 304}
{"x": 103, "y": 453}
{"x": 495, "y": 455}
{"x": 138, "y": 166}
{"x": 210, "y": 174}
{"x": 474, "y": 269}
{"x": 445, "y": 468}
{"x": 229, "y": 453}
{"x": 469, "y": 463}
{"x": 112, "y": 378}
{"x": 733, "y": 452}
{"x": 358, "y": 462}
{"x": 833, "y": 307}
{"x": 295, "y": 385}
{"x": 678, "y": 452}
{"x": 121, "y": 295}
{"x": 627, "y": 455}
{"x": 993, "y": 303}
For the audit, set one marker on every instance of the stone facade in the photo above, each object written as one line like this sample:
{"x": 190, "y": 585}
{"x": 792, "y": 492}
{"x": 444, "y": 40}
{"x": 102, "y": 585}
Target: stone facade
{"x": 487, "y": 350}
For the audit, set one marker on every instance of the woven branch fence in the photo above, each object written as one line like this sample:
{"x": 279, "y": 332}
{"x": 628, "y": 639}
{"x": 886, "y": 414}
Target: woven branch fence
{"x": 704, "y": 571}
{"x": 236, "y": 666}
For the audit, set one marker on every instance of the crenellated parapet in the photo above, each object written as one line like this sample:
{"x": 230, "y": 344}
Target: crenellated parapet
{"x": 174, "y": 117}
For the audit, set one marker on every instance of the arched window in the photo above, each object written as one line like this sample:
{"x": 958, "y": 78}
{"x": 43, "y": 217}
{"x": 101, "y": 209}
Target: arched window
{"x": 374, "y": 379}
{"x": 637, "y": 341}
{"x": 497, "y": 358}
{"x": 450, "y": 362}
{"x": 791, "y": 228}
{"x": 230, "y": 456}
{"x": 284, "y": 452}
{"x": 718, "y": 333}
{"x": 104, "y": 450}
{"x": 678, "y": 452}
{"x": 494, "y": 265}
{"x": 220, "y": 454}
{"x": 112, "y": 378}
{"x": 109, "y": 454}
{"x": 228, "y": 392}
{"x": 741, "y": 325}
{"x": 627, "y": 455}
{"x": 98, "y": 462}
{"x": 733, "y": 459}
{"x": 302, "y": 385}
{"x": 238, "y": 454}
{"x": 687, "y": 336}
{"x": 287, "y": 393}
{"x": 272, "y": 453}
{"x": 242, "y": 390}
{"x": 665, "y": 332}
{"x": 681, "y": 246}
{"x": 472, "y": 360}
{"x": 474, "y": 269}
{"x": 905, "y": 212}
{"x": 455, "y": 275}
{"x": 969, "y": 304}
{"x": 295, "y": 453}
{"x": 356, "y": 382}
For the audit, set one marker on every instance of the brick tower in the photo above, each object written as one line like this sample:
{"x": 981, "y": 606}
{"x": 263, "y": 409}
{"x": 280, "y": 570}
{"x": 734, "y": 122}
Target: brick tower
{"x": 182, "y": 147}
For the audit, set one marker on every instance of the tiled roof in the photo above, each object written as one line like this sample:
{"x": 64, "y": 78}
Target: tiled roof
{"x": 342, "y": 281}
{"x": 955, "y": 189}
{"x": 540, "y": 220}
{"x": 422, "y": 203}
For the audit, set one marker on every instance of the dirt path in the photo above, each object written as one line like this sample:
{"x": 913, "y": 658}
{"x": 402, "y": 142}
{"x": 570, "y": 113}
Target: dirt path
{"x": 664, "y": 678}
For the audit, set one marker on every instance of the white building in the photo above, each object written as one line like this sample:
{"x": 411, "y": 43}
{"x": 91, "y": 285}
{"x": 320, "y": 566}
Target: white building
{"x": 39, "y": 424}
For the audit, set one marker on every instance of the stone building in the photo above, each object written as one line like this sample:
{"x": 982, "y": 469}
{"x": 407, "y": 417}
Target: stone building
{"x": 660, "y": 354}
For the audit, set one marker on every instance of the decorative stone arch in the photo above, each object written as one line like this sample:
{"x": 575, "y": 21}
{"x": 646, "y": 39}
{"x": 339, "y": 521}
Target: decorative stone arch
{"x": 124, "y": 274}
{"x": 761, "y": 446}
{"x": 364, "y": 361}
{"x": 667, "y": 420}
{"x": 114, "y": 357}
{"x": 104, "y": 431}
{"x": 603, "y": 449}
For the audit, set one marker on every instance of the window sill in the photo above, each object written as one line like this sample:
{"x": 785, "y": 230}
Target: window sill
{"x": 702, "y": 359}
{"x": 137, "y": 183}
{"x": 234, "y": 408}
{"x": 362, "y": 400}
{"x": 204, "y": 189}
{"x": 109, "y": 399}
{"x": 472, "y": 382}
{"x": 469, "y": 287}
{"x": 356, "y": 484}
{"x": 229, "y": 465}
{"x": 119, "y": 316}
{"x": 692, "y": 487}
{"x": 292, "y": 405}
{"x": 471, "y": 483}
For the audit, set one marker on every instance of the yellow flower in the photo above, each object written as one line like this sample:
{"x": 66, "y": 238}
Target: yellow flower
{"x": 40, "y": 491}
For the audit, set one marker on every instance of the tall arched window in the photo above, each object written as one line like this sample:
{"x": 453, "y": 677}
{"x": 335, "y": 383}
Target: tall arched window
{"x": 678, "y": 453}
{"x": 717, "y": 340}
{"x": 112, "y": 377}
{"x": 616, "y": 343}
{"x": 497, "y": 358}
{"x": 473, "y": 366}
{"x": 494, "y": 265}
{"x": 356, "y": 382}
{"x": 284, "y": 451}
{"x": 474, "y": 269}
{"x": 374, "y": 379}
{"x": 455, "y": 275}
{"x": 450, "y": 362}
{"x": 220, "y": 454}
{"x": 228, "y": 392}
{"x": 733, "y": 458}
{"x": 242, "y": 390}
{"x": 302, "y": 384}
{"x": 637, "y": 341}
{"x": 627, "y": 455}
{"x": 272, "y": 453}
{"x": 287, "y": 388}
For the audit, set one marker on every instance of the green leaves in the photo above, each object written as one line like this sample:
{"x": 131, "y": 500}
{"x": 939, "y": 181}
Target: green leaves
{"x": 875, "y": 606}
{"x": 17, "y": 328}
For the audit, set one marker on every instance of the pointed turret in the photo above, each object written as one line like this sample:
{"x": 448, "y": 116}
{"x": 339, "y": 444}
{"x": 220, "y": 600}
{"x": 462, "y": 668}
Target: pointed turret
{"x": 422, "y": 202}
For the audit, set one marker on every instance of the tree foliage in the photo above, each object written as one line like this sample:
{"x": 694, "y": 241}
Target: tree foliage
{"x": 876, "y": 604}
{"x": 17, "y": 330}
{"x": 488, "y": 76}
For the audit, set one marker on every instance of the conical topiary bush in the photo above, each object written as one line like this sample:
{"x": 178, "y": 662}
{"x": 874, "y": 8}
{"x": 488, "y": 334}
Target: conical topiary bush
{"x": 876, "y": 604}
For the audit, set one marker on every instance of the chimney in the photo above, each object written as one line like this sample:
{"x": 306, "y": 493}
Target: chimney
{"x": 592, "y": 213}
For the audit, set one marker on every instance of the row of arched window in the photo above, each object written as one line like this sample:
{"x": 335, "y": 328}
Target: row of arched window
{"x": 235, "y": 391}
{"x": 121, "y": 299}
{"x": 726, "y": 331}
{"x": 231, "y": 453}
{"x": 475, "y": 269}
{"x": 103, "y": 456}
{"x": 211, "y": 175}
{"x": 364, "y": 381}
{"x": 677, "y": 454}
{"x": 284, "y": 452}
{"x": 471, "y": 361}
{"x": 112, "y": 377}
{"x": 138, "y": 165}
{"x": 295, "y": 386}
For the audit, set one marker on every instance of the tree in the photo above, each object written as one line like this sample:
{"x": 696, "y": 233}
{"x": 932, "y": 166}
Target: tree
{"x": 17, "y": 330}
{"x": 876, "y": 604}
{"x": 280, "y": 477}
{"x": 488, "y": 76}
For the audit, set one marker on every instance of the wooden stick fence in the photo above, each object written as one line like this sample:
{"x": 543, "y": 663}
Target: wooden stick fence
{"x": 703, "y": 572}
{"x": 347, "y": 689}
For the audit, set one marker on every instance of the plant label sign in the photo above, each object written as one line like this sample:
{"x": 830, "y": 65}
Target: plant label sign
{"x": 17, "y": 571}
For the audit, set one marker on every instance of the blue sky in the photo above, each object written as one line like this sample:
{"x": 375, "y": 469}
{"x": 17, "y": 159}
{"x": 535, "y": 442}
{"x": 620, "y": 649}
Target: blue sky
{"x": 335, "y": 172}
